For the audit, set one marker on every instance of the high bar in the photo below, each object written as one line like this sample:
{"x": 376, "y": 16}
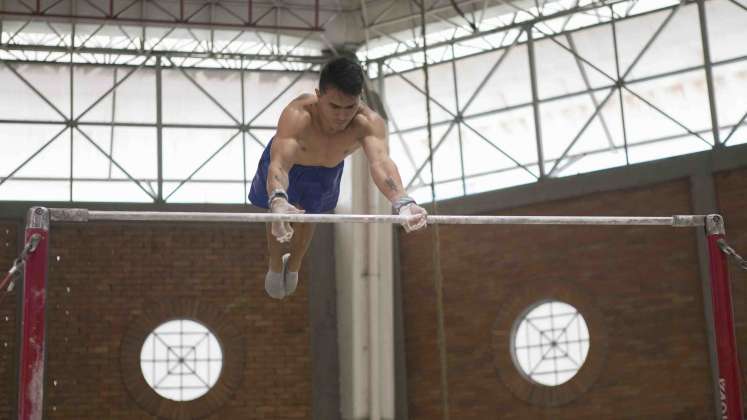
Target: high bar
{"x": 84, "y": 215}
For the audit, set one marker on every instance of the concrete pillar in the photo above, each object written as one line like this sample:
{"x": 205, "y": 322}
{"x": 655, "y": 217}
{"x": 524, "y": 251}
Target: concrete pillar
{"x": 363, "y": 268}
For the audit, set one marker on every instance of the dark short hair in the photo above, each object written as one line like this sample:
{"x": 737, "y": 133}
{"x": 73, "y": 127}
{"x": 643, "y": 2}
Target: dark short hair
{"x": 343, "y": 74}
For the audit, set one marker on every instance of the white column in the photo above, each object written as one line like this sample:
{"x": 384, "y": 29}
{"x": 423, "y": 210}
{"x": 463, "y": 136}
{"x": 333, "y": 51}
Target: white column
{"x": 363, "y": 255}
{"x": 352, "y": 294}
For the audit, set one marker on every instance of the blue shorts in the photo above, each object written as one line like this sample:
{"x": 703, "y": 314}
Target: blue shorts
{"x": 314, "y": 188}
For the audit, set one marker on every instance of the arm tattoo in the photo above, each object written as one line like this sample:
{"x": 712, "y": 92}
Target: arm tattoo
{"x": 390, "y": 183}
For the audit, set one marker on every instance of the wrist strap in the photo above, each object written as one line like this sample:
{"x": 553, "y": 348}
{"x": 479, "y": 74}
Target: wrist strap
{"x": 402, "y": 201}
{"x": 277, "y": 193}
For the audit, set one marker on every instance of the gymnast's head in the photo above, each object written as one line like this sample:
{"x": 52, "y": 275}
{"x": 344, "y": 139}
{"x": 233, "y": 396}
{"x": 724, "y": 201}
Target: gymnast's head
{"x": 339, "y": 91}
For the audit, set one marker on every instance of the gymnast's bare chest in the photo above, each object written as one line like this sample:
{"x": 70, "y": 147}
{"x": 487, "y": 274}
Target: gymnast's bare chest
{"x": 318, "y": 149}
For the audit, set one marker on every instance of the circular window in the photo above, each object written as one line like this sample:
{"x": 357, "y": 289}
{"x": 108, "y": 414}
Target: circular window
{"x": 181, "y": 360}
{"x": 542, "y": 342}
{"x": 550, "y": 342}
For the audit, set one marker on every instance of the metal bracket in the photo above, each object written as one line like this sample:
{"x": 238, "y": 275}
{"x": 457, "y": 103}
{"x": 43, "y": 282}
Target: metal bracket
{"x": 38, "y": 218}
{"x": 715, "y": 224}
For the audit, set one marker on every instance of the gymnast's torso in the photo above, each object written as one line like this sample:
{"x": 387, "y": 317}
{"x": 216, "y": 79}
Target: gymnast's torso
{"x": 320, "y": 146}
{"x": 320, "y": 141}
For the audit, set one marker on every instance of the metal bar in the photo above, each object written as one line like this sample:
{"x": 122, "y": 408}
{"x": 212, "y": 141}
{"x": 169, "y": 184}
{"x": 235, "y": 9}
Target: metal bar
{"x": 487, "y": 77}
{"x": 263, "y": 15}
{"x": 287, "y": 88}
{"x": 535, "y": 103}
{"x": 212, "y": 30}
{"x": 120, "y": 167}
{"x": 126, "y": 8}
{"x": 291, "y": 12}
{"x": 29, "y": 8}
{"x": 54, "y": 17}
{"x": 33, "y": 155}
{"x": 738, "y": 4}
{"x": 84, "y": 215}
{"x": 199, "y": 168}
{"x": 95, "y": 6}
{"x": 509, "y": 157}
{"x": 619, "y": 87}
{"x": 665, "y": 115}
{"x": 126, "y": 180}
{"x": 142, "y": 28}
{"x": 384, "y": 12}
{"x": 580, "y": 133}
{"x": 364, "y": 16}
{"x": 159, "y": 128}
{"x": 110, "y": 90}
{"x": 519, "y": 25}
{"x": 36, "y": 91}
{"x": 197, "y": 11}
{"x": 723, "y": 313}
{"x": 32, "y": 355}
{"x": 620, "y": 81}
{"x": 316, "y": 14}
{"x": 146, "y": 125}
{"x": 572, "y": 157}
{"x": 18, "y": 31}
{"x": 397, "y": 131}
{"x": 734, "y": 129}
{"x": 376, "y": 24}
{"x": 314, "y": 59}
{"x": 206, "y": 93}
{"x": 585, "y": 78}
{"x": 708, "y": 72}
{"x": 113, "y": 117}
{"x": 168, "y": 12}
{"x": 446, "y": 133}
{"x": 459, "y": 125}
{"x": 72, "y": 108}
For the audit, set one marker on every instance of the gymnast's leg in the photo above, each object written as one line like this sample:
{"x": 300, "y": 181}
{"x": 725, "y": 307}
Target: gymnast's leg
{"x": 274, "y": 281}
{"x": 282, "y": 277}
{"x": 299, "y": 244}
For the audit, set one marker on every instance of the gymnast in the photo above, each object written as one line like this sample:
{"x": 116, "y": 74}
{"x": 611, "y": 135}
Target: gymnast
{"x": 301, "y": 167}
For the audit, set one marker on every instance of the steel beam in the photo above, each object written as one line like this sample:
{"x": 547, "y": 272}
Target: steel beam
{"x": 159, "y": 129}
{"x": 535, "y": 101}
{"x": 707, "y": 65}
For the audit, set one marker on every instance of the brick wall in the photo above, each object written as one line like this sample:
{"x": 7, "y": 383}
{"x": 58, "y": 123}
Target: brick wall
{"x": 644, "y": 283}
{"x": 732, "y": 200}
{"x": 8, "y": 319}
{"x": 103, "y": 276}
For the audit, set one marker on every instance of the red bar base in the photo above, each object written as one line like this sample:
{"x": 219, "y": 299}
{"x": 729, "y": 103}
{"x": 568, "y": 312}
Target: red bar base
{"x": 729, "y": 372}
{"x": 32, "y": 352}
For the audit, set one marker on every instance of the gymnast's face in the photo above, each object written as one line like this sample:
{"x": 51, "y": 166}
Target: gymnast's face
{"x": 337, "y": 108}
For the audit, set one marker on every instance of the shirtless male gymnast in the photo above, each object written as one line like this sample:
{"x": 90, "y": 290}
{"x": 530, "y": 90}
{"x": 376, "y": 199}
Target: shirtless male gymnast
{"x": 301, "y": 167}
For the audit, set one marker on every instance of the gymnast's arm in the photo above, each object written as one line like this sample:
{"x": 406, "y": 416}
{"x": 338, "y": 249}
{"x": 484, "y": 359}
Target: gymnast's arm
{"x": 285, "y": 147}
{"x": 386, "y": 175}
{"x": 383, "y": 170}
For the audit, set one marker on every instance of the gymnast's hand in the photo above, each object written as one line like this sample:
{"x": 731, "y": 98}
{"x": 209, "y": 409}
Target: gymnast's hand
{"x": 282, "y": 230}
{"x": 417, "y": 217}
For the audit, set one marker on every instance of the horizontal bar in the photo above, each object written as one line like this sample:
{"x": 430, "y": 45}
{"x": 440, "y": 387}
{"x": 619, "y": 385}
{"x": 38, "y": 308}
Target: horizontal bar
{"x": 83, "y": 215}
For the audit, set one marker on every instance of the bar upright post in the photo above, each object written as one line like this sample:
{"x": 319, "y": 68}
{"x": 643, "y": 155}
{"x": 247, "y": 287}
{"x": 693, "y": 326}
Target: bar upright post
{"x": 32, "y": 349}
{"x": 729, "y": 373}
